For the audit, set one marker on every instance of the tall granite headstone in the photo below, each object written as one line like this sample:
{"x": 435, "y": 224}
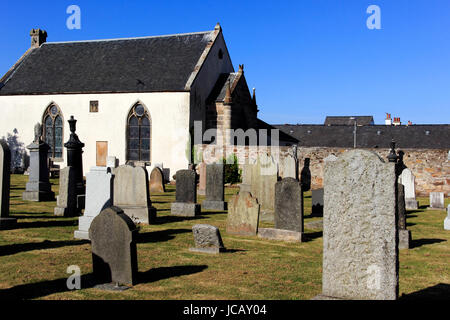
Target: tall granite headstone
{"x": 131, "y": 193}
{"x": 215, "y": 191}
{"x": 38, "y": 187}
{"x": 66, "y": 201}
{"x": 264, "y": 177}
{"x": 5, "y": 182}
{"x": 74, "y": 156}
{"x": 243, "y": 214}
{"x": 185, "y": 204}
{"x": 99, "y": 194}
{"x": 317, "y": 202}
{"x": 157, "y": 181}
{"x": 360, "y": 253}
{"x": 305, "y": 176}
{"x": 408, "y": 180}
{"x": 114, "y": 255}
{"x": 207, "y": 239}
{"x": 437, "y": 200}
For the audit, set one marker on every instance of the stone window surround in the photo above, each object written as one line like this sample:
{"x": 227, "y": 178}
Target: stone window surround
{"x": 130, "y": 113}
{"x": 44, "y": 116}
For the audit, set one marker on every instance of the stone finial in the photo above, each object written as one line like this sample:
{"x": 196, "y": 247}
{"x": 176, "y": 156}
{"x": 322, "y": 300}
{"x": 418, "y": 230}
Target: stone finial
{"x": 38, "y": 37}
{"x": 37, "y": 132}
{"x": 392, "y": 157}
{"x": 241, "y": 69}
{"x": 217, "y": 26}
{"x": 228, "y": 99}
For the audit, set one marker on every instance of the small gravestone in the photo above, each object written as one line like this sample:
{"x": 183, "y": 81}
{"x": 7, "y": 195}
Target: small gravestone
{"x": 131, "y": 193}
{"x": 215, "y": 191}
{"x": 246, "y": 184}
{"x": 114, "y": 255}
{"x": 360, "y": 255}
{"x": 112, "y": 162}
{"x": 66, "y": 201}
{"x": 317, "y": 202}
{"x": 243, "y": 214}
{"x": 289, "y": 167}
{"x": 447, "y": 219}
{"x": 186, "y": 195}
{"x": 38, "y": 187}
{"x": 157, "y": 181}
{"x": 409, "y": 181}
{"x": 404, "y": 235}
{"x": 437, "y": 200}
{"x": 201, "y": 178}
{"x": 264, "y": 177}
{"x": 5, "y": 182}
{"x": 99, "y": 190}
{"x": 207, "y": 239}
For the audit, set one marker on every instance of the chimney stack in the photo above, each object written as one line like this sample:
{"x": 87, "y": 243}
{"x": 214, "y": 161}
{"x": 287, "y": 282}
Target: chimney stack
{"x": 388, "y": 120}
{"x": 38, "y": 37}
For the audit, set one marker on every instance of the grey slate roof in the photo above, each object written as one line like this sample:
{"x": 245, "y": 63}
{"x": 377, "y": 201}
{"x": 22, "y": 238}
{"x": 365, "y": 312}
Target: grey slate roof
{"x": 345, "y": 120}
{"x": 162, "y": 63}
{"x": 371, "y": 136}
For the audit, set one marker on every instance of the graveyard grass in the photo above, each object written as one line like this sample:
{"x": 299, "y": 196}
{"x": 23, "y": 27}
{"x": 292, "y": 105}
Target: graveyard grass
{"x": 35, "y": 255}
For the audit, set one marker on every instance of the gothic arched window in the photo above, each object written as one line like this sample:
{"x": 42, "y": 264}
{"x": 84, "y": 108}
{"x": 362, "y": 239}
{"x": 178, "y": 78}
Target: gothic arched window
{"x": 138, "y": 134}
{"x": 53, "y": 131}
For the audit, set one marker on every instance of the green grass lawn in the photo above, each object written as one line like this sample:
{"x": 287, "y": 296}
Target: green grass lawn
{"x": 35, "y": 255}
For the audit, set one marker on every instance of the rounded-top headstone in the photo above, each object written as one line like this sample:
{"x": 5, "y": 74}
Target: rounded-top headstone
{"x": 157, "y": 181}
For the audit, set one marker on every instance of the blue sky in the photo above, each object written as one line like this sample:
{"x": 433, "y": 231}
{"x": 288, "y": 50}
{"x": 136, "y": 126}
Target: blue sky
{"x": 307, "y": 58}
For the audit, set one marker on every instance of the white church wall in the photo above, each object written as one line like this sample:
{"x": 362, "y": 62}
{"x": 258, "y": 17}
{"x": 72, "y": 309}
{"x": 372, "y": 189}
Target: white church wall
{"x": 169, "y": 114}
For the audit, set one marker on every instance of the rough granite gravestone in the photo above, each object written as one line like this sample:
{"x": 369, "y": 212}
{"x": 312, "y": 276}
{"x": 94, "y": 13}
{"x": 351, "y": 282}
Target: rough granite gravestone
{"x": 404, "y": 235}
{"x": 75, "y": 156}
{"x": 99, "y": 192}
{"x": 157, "y": 181}
{"x": 207, "y": 239}
{"x": 5, "y": 183}
{"x": 131, "y": 193}
{"x": 317, "y": 202}
{"x": 114, "y": 255}
{"x": 408, "y": 180}
{"x": 201, "y": 178}
{"x": 243, "y": 214}
{"x": 38, "y": 187}
{"x": 185, "y": 195}
{"x": 215, "y": 191}
{"x": 66, "y": 201}
{"x": 360, "y": 253}
{"x": 447, "y": 219}
{"x": 264, "y": 177}
{"x": 246, "y": 184}
{"x": 437, "y": 200}
{"x": 289, "y": 167}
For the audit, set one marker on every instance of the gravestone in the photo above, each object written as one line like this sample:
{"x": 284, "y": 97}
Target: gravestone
{"x": 447, "y": 219}
{"x": 38, "y": 187}
{"x": 185, "y": 195}
{"x": 360, "y": 254}
{"x": 317, "y": 202}
{"x": 157, "y": 181}
{"x": 207, "y": 239}
{"x": 246, "y": 184}
{"x": 289, "y": 167}
{"x": 264, "y": 177}
{"x": 99, "y": 191}
{"x": 66, "y": 201}
{"x": 112, "y": 162}
{"x": 131, "y": 193}
{"x": 215, "y": 191}
{"x": 74, "y": 156}
{"x": 408, "y": 180}
{"x": 305, "y": 176}
{"x": 437, "y": 200}
{"x": 201, "y": 178}
{"x": 5, "y": 183}
{"x": 243, "y": 214}
{"x": 114, "y": 255}
{"x": 404, "y": 235}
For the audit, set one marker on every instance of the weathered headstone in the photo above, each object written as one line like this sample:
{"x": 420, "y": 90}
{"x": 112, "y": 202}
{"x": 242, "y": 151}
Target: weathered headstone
{"x": 243, "y": 214}
{"x": 131, "y": 193}
{"x": 114, "y": 255}
{"x": 185, "y": 195}
{"x": 201, "y": 178}
{"x": 264, "y": 177}
{"x": 66, "y": 201}
{"x": 215, "y": 191}
{"x": 112, "y": 162}
{"x": 408, "y": 180}
{"x": 289, "y": 167}
{"x": 207, "y": 239}
{"x": 317, "y": 202}
{"x": 360, "y": 254}
{"x": 38, "y": 187}
{"x": 157, "y": 181}
{"x": 404, "y": 235}
{"x": 447, "y": 219}
{"x": 5, "y": 182}
{"x": 246, "y": 184}
{"x": 437, "y": 200}
{"x": 99, "y": 191}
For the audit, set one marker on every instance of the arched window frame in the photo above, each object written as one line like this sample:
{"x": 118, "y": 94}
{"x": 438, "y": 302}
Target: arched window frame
{"x": 53, "y": 114}
{"x": 145, "y": 114}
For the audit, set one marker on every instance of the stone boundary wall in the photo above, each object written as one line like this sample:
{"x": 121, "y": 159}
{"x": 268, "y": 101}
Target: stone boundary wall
{"x": 431, "y": 167}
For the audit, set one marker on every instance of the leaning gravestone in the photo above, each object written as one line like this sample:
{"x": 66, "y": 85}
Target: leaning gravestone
{"x": 360, "y": 255}
{"x": 66, "y": 201}
{"x": 404, "y": 235}
{"x": 185, "y": 195}
{"x": 5, "y": 182}
{"x": 264, "y": 177}
{"x": 215, "y": 191}
{"x": 207, "y": 239}
{"x": 38, "y": 188}
{"x": 408, "y": 180}
{"x": 243, "y": 214}
{"x": 317, "y": 202}
{"x": 157, "y": 181}
{"x": 99, "y": 190}
{"x": 114, "y": 255}
{"x": 437, "y": 200}
{"x": 447, "y": 219}
{"x": 131, "y": 193}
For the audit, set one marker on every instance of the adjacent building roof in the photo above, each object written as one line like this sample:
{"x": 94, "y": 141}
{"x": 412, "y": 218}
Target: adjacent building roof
{"x": 349, "y": 120}
{"x": 161, "y": 63}
{"x": 371, "y": 136}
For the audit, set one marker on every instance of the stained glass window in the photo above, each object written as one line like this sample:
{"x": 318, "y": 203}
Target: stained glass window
{"x": 138, "y": 134}
{"x": 53, "y": 131}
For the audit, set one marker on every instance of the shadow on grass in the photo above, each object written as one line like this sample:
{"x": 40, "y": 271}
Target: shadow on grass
{"x": 159, "y": 236}
{"x": 440, "y": 291}
{"x": 421, "y": 242}
{"x": 46, "y": 224}
{"x": 170, "y": 219}
{"x": 46, "y": 244}
{"x": 161, "y": 273}
{"x": 313, "y": 235}
{"x": 205, "y": 213}
{"x": 410, "y": 224}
